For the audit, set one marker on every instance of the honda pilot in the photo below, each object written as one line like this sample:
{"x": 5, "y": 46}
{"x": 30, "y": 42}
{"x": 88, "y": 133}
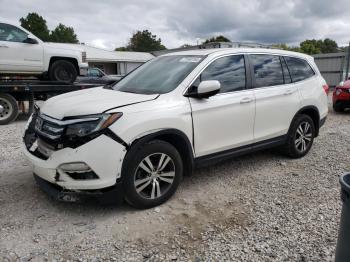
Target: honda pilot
{"x": 136, "y": 140}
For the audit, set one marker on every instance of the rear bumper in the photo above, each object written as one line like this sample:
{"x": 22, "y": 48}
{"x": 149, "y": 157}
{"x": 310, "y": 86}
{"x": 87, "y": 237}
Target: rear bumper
{"x": 343, "y": 103}
{"x": 110, "y": 195}
{"x": 341, "y": 97}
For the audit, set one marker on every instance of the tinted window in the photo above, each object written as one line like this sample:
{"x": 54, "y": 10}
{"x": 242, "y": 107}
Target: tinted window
{"x": 11, "y": 33}
{"x": 286, "y": 75}
{"x": 94, "y": 72}
{"x": 267, "y": 70}
{"x": 158, "y": 76}
{"x": 299, "y": 68}
{"x": 229, "y": 71}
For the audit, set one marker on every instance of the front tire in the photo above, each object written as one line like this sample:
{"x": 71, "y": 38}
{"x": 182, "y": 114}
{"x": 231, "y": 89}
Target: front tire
{"x": 300, "y": 136}
{"x": 63, "y": 71}
{"x": 151, "y": 174}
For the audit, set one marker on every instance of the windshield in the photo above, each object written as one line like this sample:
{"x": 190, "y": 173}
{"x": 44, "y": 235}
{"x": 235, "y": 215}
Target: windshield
{"x": 160, "y": 75}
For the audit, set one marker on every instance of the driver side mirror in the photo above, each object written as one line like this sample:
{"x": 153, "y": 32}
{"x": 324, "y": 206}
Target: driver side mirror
{"x": 205, "y": 89}
{"x": 30, "y": 40}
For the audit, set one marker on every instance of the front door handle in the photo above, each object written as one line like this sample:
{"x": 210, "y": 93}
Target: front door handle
{"x": 288, "y": 92}
{"x": 246, "y": 100}
{"x": 4, "y": 46}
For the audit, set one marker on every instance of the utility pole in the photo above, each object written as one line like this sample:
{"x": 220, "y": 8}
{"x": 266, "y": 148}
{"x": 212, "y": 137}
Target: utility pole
{"x": 347, "y": 64}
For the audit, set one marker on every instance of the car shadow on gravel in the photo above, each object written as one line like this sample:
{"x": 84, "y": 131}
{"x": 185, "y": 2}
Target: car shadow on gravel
{"x": 22, "y": 118}
{"x": 232, "y": 168}
{"x": 40, "y": 202}
{"x": 243, "y": 163}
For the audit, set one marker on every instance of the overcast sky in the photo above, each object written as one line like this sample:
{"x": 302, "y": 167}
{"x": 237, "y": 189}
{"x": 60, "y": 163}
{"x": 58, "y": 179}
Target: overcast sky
{"x": 110, "y": 23}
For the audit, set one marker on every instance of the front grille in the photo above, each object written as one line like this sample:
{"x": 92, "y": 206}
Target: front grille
{"x": 52, "y": 131}
{"x": 48, "y": 129}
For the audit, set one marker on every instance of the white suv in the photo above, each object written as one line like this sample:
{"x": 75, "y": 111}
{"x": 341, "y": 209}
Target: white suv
{"x": 137, "y": 139}
{"x": 22, "y": 53}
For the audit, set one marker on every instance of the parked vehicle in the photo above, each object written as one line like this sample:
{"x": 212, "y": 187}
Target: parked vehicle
{"x": 341, "y": 96}
{"x": 97, "y": 76}
{"x": 22, "y": 53}
{"x": 137, "y": 139}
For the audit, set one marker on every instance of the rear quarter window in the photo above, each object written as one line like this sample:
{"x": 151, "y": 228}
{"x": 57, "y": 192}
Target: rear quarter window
{"x": 299, "y": 68}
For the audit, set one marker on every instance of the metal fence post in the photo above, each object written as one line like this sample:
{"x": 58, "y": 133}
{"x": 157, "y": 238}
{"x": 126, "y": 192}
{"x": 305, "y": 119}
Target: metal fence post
{"x": 347, "y": 64}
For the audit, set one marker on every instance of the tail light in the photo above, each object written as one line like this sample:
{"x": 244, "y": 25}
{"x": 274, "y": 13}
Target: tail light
{"x": 326, "y": 88}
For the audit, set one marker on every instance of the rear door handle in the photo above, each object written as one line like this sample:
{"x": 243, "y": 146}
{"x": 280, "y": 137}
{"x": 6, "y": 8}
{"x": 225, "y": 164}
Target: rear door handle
{"x": 4, "y": 46}
{"x": 288, "y": 92}
{"x": 246, "y": 100}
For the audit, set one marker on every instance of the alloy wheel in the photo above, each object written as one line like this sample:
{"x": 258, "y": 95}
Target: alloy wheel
{"x": 154, "y": 175}
{"x": 303, "y": 137}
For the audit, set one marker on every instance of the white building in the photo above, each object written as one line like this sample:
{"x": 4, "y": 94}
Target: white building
{"x": 113, "y": 62}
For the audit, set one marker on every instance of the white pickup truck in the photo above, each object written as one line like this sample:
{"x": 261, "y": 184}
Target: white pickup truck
{"x": 22, "y": 53}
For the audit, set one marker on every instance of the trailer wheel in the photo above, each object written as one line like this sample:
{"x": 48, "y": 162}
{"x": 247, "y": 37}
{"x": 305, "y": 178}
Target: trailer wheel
{"x": 8, "y": 109}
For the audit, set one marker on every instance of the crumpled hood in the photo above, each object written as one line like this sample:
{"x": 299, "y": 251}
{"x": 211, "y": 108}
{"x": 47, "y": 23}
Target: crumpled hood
{"x": 90, "y": 101}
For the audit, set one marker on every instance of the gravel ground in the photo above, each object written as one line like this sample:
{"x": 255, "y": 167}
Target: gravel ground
{"x": 260, "y": 207}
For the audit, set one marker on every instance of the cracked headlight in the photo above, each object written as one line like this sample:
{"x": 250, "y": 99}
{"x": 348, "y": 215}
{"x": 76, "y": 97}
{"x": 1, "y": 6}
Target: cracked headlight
{"x": 91, "y": 124}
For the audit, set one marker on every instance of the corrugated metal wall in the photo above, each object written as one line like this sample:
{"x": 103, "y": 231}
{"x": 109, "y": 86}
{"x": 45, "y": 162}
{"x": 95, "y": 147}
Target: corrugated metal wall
{"x": 332, "y": 67}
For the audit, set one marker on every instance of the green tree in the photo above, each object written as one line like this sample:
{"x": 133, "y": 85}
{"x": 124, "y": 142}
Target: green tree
{"x": 219, "y": 38}
{"x": 143, "y": 41}
{"x": 311, "y": 47}
{"x": 63, "y": 34}
{"x": 36, "y": 24}
{"x": 122, "y": 48}
{"x": 314, "y": 46}
{"x": 286, "y": 47}
{"x": 329, "y": 46}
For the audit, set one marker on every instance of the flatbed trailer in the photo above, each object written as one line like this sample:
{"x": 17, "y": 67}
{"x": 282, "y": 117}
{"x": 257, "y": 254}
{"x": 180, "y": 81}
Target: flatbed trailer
{"x": 14, "y": 92}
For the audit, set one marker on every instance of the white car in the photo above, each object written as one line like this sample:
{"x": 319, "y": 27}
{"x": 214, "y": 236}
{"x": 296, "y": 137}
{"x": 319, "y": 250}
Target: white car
{"x": 137, "y": 139}
{"x": 22, "y": 53}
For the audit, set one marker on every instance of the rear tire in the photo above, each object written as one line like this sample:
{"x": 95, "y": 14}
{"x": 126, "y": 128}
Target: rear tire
{"x": 8, "y": 109}
{"x": 63, "y": 71}
{"x": 151, "y": 174}
{"x": 300, "y": 136}
{"x": 338, "y": 108}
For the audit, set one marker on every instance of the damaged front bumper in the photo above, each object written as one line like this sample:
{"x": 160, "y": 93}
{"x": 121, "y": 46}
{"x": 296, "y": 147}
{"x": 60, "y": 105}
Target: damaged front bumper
{"x": 102, "y": 155}
{"x": 110, "y": 195}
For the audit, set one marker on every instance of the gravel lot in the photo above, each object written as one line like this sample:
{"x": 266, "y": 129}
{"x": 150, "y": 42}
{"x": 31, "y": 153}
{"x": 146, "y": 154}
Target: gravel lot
{"x": 260, "y": 207}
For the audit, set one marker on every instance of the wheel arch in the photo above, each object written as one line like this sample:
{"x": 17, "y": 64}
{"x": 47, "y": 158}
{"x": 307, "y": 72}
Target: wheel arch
{"x": 70, "y": 59}
{"x": 177, "y": 139}
{"x": 311, "y": 111}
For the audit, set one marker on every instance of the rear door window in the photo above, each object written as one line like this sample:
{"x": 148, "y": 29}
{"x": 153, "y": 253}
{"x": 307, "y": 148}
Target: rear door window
{"x": 267, "y": 70}
{"x": 299, "y": 69}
